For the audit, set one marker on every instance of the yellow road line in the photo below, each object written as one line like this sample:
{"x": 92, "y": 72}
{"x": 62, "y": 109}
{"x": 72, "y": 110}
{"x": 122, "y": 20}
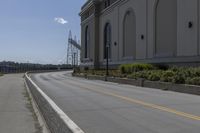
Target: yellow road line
{"x": 154, "y": 106}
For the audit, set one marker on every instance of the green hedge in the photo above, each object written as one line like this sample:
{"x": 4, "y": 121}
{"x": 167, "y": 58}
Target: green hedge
{"x": 178, "y": 75}
{"x": 193, "y": 81}
{"x": 153, "y": 75}
{"x": 1, "y": 74}
{"x": 136, "y": 67}
{"x": 100, "y": 72}
{"x": 167, "y": 76}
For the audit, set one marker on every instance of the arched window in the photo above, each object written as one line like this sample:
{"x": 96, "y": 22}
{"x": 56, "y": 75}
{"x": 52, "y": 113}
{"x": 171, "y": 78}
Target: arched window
{"x": 107, "y": 40}
{"x": 86, "y": 42}
{"x": 129, "y": 35}
{"x": 165, "y": 28}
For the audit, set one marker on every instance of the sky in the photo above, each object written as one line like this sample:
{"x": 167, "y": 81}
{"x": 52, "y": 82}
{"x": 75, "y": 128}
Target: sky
{"x": 36, "y": 31}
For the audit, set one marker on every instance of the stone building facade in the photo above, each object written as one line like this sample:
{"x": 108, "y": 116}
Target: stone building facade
{"x": 151, "y": 31}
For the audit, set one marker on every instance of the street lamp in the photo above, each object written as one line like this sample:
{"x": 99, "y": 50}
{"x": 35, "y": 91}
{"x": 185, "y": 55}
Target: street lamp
{"x": 107, "y": 59}
{"x": 74, "y": 60}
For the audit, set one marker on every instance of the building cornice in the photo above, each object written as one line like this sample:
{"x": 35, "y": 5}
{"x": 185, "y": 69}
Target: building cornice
{"x": 88, "y": 5}
{"x": 112, "y": 6}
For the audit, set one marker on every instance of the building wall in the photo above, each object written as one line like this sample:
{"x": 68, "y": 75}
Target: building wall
{"x": 90, "y": 23}
{"x": 169, "y": 34}
{"x": 115, "y": 16}
{"x": 187, "y": 37}
{"x": 139, "y": 8}
{"x": 109, "y": 16}
{"x": 165, "y": 28}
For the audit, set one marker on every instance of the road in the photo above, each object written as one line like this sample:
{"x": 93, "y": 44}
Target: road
{"x": 103, "y": 107}
{"x": 16, "y": 112}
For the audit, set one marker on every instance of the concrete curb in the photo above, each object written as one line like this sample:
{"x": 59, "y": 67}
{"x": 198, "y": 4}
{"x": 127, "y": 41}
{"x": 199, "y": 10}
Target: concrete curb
{"x": 56, "y": 120}
{"x": 182, "y": 88}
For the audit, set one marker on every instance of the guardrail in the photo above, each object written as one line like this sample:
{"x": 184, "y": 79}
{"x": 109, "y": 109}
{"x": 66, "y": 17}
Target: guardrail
{"x": 56, "y": 120}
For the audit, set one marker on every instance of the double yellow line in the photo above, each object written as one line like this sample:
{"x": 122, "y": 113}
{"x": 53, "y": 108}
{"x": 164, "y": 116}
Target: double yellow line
{"x": 135, "y": 101}
{"x": 183, "y": 114}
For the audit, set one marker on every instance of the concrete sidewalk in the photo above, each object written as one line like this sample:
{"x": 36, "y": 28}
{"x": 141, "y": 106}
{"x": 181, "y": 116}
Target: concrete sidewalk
{"x": 16, "y": 112}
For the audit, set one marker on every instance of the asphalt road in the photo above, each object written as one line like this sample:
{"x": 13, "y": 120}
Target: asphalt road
{"x": 103, "y": 107}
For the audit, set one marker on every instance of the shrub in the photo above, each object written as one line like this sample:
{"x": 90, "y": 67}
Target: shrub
{"x": 174, "y": 69}
{"x": 133, "y": 76}
{"x": 122, "y": 69}
{"x": 115, "y": 73}
{"x": 179, "y": 78}
{"x": 179, "y": 75}
{"x": 193, "y": 81}
{"x": 102, "y": 72}
{"x": 76, "y": 70}
{"x": 98, "y": 72}
{"x": 142, "y": 74}
{"x": 128, "y": 68}
{"x": 187, "y": 71}
{"x": 195, "y": 71}
{"x": 125, "y": 68}
{"x": 167, "y": 76}
{"x": 183, "y": 71}
{"x": 154, "y": 75}
{"x": 141, "y": 67}
{"x": 136, "y": 67}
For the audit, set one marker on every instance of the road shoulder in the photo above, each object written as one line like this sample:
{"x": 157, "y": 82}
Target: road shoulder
{"x": 16, "y": 111}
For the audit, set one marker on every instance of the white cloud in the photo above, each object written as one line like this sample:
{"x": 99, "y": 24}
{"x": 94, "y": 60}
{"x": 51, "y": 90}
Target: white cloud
{"x": 60, "y": 20}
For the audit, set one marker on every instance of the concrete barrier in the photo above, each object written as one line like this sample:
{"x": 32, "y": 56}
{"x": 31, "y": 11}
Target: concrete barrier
{"x": 182, "y": 88}
{"x": 126, "y": 81}
{"x": 56, "y": 120}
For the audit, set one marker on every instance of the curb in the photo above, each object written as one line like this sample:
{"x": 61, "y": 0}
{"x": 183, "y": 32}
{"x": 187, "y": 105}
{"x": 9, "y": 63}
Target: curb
{"x": 181, "y": 88}
{"x": 37, "y": 112}
{"x": 56, "y": 120}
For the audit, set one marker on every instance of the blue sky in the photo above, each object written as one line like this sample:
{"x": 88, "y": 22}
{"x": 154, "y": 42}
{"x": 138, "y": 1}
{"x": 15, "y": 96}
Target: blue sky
{"x": 36, "y": 31}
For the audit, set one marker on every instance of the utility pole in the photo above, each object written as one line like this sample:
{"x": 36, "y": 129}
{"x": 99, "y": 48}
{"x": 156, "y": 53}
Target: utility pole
{"x": 73, "y": 50}
{"x": 69, "y": 50}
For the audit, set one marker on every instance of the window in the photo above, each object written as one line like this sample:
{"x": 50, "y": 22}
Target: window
{"x": 107, "y": 41}
{"x": 86, "y": 41}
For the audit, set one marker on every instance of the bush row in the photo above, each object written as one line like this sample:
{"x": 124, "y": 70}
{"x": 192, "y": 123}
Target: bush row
{"x": 100, "y": 72}
{"x": 130, "y": 68}
{"x": 1, "y": 74}
{"x": 179, "y": 75}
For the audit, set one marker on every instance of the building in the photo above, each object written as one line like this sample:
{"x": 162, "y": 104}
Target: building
{"x": 151, "y": 31}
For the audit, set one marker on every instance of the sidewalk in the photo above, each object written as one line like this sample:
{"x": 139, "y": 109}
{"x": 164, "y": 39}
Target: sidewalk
{"x": 16, "y": 113}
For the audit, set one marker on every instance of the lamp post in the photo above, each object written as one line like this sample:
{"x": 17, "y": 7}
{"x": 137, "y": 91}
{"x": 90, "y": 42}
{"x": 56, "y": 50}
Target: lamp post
{"x": 74, "y": 59}
{"x": 107, "y": 60}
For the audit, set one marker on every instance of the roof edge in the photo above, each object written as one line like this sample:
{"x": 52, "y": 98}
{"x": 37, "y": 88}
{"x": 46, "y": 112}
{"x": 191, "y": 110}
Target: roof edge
{"x": 86, "y": 3}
